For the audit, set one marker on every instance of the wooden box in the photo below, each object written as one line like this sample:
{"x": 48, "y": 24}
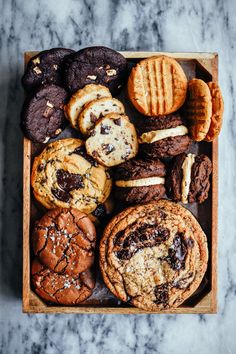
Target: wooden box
{"x": 201, "y": 65}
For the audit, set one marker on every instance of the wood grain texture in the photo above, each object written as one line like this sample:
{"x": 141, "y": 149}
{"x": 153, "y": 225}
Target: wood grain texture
{"x": 208, "y": 304}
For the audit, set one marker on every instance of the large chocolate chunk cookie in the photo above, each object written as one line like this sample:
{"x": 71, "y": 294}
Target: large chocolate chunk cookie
{"x": 45, "y": 67}
{"x": 154, "y": 255}
{"x": 95, "y": 65}
{"x": 42, "y": 115}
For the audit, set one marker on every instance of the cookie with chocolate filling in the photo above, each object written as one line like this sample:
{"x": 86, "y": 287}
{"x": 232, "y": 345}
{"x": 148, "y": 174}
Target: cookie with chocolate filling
{"x": 63, "y": 175}
{"x": 140, "y": 181}
{"x": 154, "y": 255}
{"x": 188, "y": 181}
{"x": 64, "y": 241}
{"x": 95, "y": 65}
{"x": 61, "y": 289}
{"x": 45, "y": 68}
{"x": 163, "y": 136}
{"x": 42, "y": 116}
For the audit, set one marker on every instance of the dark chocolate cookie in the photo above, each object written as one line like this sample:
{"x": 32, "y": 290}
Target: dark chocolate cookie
{"x": 61, "y": 288}
{"x": 140, "y": 181}
{"x": 45, "y": 67}
{"x": 163, "y": 136}
{"x": 188, "y": 181}
{"x": 95, "y": 65}
{"x": 42, "y": 116}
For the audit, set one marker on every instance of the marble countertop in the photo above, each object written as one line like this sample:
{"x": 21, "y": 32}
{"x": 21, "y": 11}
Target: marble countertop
{"x": 166, "y": 25}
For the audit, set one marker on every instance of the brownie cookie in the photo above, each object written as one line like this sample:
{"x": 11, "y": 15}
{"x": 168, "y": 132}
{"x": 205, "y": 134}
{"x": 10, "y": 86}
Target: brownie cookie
{"x": 95, "y": 65}
{"x": 42, "y": 116}
{"x": 188, "y": 181}
{"x": 64, "y": 241}
{"x": 63, "y": 175}
{"x": 140, "y": 181}
{"x": 153, "y": 255}
{"x": 113, "y": 140}
{"x": 45, "y": 67}
{"x": 163, "y": 136}
{"x": 61, "y": 288}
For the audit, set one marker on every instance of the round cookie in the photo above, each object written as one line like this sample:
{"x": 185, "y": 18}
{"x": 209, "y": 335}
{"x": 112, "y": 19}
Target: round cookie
{"x": 45, "y": 68}
{"x": 64, "y": 241}
{"x": 163, "y": 136}
{"x": 61, "y": 289}
{"x": 188, "y": 181}
{"x": 42, "y": 115}
{"x": 154, "y": 255}
{"x": 63, "y": 175}
{"x": 113, "y": 140}
{"x": 95, "y": 65}
{"x": 81, "y": 98}
{"x": 157, "y": 86}
{"x": 139, "y": 181}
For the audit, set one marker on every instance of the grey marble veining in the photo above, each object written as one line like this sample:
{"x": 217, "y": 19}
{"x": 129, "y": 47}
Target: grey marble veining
{"x": 123, "y": 25}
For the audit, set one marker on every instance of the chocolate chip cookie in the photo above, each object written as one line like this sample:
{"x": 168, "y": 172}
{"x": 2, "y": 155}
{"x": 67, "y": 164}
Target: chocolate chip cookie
{"x": 95, "y": 65}
{"x": 64, "y": 241}
{"x": 188, "y": 181}
{"x": 45, "y": 68}
{"x": 42, "y": 116}
{"x": 154, "y": 255}
{"x": 63, "y": 175}
{"x": 163, "y": 136}
{"x": 61, "y": 289}
{"x": 139, "y": 181}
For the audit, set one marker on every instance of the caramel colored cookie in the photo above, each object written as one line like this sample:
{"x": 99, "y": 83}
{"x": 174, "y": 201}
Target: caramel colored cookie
{"x": 188, "y": 181}
{"x": 61, "y": 289}
{"x": 163, "y": 136}
{"x": 154, "y": 255}
{"x": 113, "y": 140}
{"x": 64, "y": 241}
{"x": 63, "y": 175}
{"x": 82, "y": 97}
{"x": 140, "y": 181}
{"x": 157, "y": 86}
{"x": 217, "y": 111}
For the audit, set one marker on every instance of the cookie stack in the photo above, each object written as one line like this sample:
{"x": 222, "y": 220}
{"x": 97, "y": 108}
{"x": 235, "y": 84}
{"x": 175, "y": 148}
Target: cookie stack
{"x": 120, "y": 162}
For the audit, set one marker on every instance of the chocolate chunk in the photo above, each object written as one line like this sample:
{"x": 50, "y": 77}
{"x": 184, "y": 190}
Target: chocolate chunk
{"x": 69, "y": 181}
{"x": 162, "y": 294}
{"x": 100, "y": 211}
{"x": 117, "y": 121}
{"x": 61, "y": 195}
{"x": 93, "y": 118}
{"x": 105, "y": 129}
{"x": 177, "y": 252}
{"x": 108, "y": 148}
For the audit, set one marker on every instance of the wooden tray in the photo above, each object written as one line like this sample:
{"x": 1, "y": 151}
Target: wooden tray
{"x": 201, "y": 65}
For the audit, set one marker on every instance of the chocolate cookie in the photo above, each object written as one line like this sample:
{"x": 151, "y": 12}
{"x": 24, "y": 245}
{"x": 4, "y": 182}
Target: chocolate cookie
{"x": 153, "y": 255}
{"x": 188, "y": 181}
{"x": 61, "y": 288}
{"x": 63, "y": 175}
{"x": 64, "y": 241}
{"x": 95, "y": 65}
{"x": 45, "y": 68}
{"x": 139, "y": 181}
{"x": 42, "y": 116}
{"x": 163, "y": 136}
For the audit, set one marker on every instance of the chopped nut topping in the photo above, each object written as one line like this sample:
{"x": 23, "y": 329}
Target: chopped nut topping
{"x": 58, "y": 131}
{"x": 46, "y": 139}
{"x": 49, "y": 104}
{"x": 36, "y": 60}
{"x": 55, "y": 66}
{"x": 100, "y": 67}
{"x": 111, "y": 72}
{"x": 37, "y": 70}
{"x": 91, "y": 77}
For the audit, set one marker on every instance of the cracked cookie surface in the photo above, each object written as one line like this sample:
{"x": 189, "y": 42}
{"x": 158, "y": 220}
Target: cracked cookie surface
{"x": 63, "y": 175}
{"x": 61, "y": 288}
{"x": 64, "y": 241}
{"x": 153, "y": 255}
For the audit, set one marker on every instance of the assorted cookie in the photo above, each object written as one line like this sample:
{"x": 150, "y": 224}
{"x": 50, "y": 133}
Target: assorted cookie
{"x": 113, "y": 140}
{"x": 63, "y": 175}
{"x": 188, "y": 181}
{"x": 153, "y": 256}
{"x": 139, "y": 181}
{"x": 96, "y": 65}
{"x": 163, "y": 136}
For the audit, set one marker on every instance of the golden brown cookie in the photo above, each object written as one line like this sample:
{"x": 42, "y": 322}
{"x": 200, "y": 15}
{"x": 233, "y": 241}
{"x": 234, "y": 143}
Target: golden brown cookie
{"x": 198, "y": 108}
{"x": 61, "y": 288}
{"x": 64, "y": 241}
{"x": 157, "y": 86}
{"x": 63, "y": 175}
{"x": 154, "y": 255}
{"x": 217, "y": 111}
